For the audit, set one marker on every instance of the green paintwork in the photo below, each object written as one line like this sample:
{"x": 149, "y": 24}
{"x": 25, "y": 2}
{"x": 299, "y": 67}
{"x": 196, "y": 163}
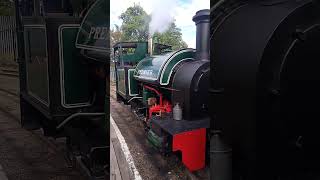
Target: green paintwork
{"x": 74, "y": 72}
{"x": 149, "y": 68}
{"x": 152, "y": 67}
{"x": 37, "y": 63}
{"x": 140, "y": 52}
{"x": 175, "y": 60}
{"x": 154, "y": 139}
{"x": 121, "y": 88}
{"x": 133, "y": 84}
{"x": 125, "y": 66}
{"x": 147, "y": 94}
{"x": 94, "y": 31}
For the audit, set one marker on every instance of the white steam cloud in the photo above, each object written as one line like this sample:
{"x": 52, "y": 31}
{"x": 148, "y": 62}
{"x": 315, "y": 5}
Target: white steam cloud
{"x": 162, "y": 15}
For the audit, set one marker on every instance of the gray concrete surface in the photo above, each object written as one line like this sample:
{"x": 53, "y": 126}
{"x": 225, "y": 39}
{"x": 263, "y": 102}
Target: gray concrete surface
{"x": 28, "y": 155}
{"x": 119, "y": 166}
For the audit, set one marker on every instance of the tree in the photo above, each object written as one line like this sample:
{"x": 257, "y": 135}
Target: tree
{"x": 6, "y": 8}
{"x": 135, "y": 24}
{"x": 135, "y": 27}
{"x": 172, "y": 37}
{"x": 115, "y": 35}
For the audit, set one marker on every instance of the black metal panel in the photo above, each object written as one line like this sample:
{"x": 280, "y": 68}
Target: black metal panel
{"x": 247, "y": 49}
{"x": 52, "y": 25}
{"x": 23, "y": 66}
{"x": 171, "y": 126}
{"x": 191, "y": 82}
{"x": 57, "y": 6}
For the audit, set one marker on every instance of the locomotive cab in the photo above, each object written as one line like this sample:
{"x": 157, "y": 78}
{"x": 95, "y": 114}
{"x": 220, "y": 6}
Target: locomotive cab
{"x": 127, "y": 55}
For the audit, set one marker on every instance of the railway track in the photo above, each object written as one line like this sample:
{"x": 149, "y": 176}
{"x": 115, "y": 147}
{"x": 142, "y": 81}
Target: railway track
{"x": 10, "y": 75}
{"x": 9, "y": 92}
{"x": 9, "y": 72}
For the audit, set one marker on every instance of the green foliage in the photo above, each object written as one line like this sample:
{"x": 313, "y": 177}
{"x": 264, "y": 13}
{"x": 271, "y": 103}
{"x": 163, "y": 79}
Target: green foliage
{"x": 172, "y": 37}
{"x": 115, "y": 35}
{"x": 6, "y": 8}
{"x": 135, "y": 26}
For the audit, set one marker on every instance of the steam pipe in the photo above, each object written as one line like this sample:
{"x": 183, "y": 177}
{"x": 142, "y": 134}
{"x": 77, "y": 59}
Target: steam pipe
{"x": 154, "y": 90}
{"x": 135, "y": 98}
{"x": 220, "y": 157}
{"x": 150, "y": 45}
{"x": 36, "y": 7}
{"x": 77, "y": 115}
{"x": 220, "y": 152}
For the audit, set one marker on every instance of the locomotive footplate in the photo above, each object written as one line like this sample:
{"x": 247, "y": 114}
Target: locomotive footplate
{"x": 188, "y": 137}
{"x": 173, "y": 127}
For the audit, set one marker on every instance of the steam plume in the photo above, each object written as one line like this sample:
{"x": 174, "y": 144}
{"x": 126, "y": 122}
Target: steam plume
{"x": 161, "y": 15}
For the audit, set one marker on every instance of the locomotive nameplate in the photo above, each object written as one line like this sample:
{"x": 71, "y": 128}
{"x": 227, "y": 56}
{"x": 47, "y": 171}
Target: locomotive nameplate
{"x": 160, "y": 67}
{"x": 101, "y": 33}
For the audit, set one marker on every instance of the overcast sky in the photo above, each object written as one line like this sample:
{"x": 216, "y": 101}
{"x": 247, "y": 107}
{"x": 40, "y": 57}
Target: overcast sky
{"x": 181, "y": 10}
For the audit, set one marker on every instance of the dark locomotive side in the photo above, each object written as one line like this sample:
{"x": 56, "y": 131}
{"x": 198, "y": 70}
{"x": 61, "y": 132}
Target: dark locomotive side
{"x": 62, "y": 63}
{"x": 264, "y": 89}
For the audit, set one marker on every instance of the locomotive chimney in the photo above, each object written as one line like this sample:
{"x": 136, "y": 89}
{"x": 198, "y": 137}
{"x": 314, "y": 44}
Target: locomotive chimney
{"x": 202, "y": 20}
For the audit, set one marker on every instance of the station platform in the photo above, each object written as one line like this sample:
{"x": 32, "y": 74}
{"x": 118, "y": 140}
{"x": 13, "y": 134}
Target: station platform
{"x": 121, "y": 161}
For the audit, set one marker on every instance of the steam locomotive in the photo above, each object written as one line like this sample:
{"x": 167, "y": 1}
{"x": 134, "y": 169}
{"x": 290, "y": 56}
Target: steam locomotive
{"x": 264, "y": 89}
{"x": 62, "y": 66}
{"x": 168, "y": 91}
